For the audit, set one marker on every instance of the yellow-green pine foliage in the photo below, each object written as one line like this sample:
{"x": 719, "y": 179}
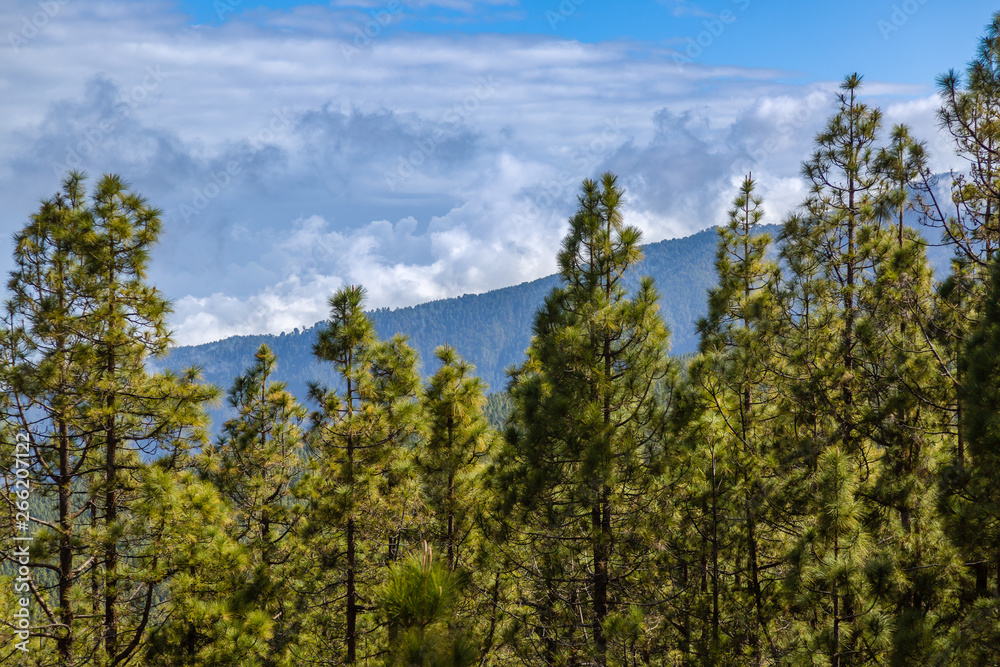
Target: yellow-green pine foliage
{"x": 577, "y": 477}
{"x": 725, "y": 419}
{"x": 361, "y": 497}
{"x": 79, "y": 328}
{"x": 418, "y": 601}
{"x": 253, "y": 464}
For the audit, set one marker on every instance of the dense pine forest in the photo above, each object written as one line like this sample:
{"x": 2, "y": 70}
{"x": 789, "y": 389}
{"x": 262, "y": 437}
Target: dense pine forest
{"x": 819, "y": 484}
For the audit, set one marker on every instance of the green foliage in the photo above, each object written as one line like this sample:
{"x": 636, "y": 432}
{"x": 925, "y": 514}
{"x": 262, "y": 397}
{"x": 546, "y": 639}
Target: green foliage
{"x": 418, "y": 601}
{"x": 451, "y": 454}
{"x": 206, "y": 618}
{"x": 583, "y": 444}
{"x": 831, "y": 574}
{"x": 968, "y": 112}
{"x": 970, "y": 498}
{"x": 253, "y": 465}
{"x": 817, "y": 486}
{"x": 360, "y": 496}
{"x": 79, "y": 328}
{"x": 725, "y": 420}
{"x": 258, "y": 456}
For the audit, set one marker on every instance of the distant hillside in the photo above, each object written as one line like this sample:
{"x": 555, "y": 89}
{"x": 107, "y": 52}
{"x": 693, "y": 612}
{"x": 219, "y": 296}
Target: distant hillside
{"x": 492, "y": 330}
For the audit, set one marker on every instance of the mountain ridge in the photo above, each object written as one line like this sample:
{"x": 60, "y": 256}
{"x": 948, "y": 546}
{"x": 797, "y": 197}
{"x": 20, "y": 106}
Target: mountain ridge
{"x": 491, "y": 329}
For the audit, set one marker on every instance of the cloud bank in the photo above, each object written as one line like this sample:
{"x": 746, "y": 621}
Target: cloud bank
{"x": 291, "y": 156}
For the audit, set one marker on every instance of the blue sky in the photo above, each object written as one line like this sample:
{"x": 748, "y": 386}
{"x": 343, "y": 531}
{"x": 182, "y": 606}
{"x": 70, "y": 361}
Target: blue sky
{"x": 440, "y": 153}
{"x": 812, "y": 40}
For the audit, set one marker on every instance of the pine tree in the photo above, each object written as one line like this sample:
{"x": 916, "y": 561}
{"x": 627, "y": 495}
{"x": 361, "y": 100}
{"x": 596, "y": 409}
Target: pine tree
{"x": 904, "y": 392}
{"x": 835, "y": 249}
{"x": 360, "y": 499}
{"x": 970, "y": 224}
{"x": 418, "y": 599}
{"x": 968, "y": 112}
{"x": 43, "y": 373}
{"x": 132, "y": 413}
{"x": 80, "y": 327}
{"x": 969, "y": 219}
{"x": 450, "y": 461}
{"x": 457, "y": 440}
{"x": 727, "y": 421}
{"x": 973, "y": 501}
{"x": 841, "y": 209}
{"x": 838, "y": 615}
{"x": 253, "y": 465}
{"x": 207, "y": 616}
{"x": 577, "y": 475}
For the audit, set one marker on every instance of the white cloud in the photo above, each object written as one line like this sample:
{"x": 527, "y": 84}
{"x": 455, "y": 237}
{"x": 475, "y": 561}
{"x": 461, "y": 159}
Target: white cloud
{"x": 421, "y": 166}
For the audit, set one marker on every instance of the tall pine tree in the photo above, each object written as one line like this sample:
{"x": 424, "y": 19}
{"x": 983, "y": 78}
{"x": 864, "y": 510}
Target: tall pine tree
{"x": 578, "y": 473}
{"x": 253, "y": 465}
{"x": 360, "y": 500}
{"x": 727, "y": 420}
{"x": 81, "y": 325}
{"x": 456, "y": 442}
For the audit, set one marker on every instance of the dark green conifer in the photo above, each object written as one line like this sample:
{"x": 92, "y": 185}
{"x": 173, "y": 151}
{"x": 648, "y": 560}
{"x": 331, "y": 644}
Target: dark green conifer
{"x": 578, "y": 474}
{"x": 726, "y": 421}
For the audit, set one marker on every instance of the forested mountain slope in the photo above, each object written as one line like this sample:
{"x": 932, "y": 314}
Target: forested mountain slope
{"x": 491, "y": 330}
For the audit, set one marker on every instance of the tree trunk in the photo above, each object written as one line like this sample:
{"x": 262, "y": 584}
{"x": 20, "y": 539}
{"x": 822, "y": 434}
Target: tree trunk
{"x": 601, "y": 520}
{"x": 65, "y": 492}
{"x": 715, "y": 557}
{"x": 66, "y": 617}
{"x": 111, "y": 493}
{"x": 451, "y": 498}
{"x": 352, "y": 594}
